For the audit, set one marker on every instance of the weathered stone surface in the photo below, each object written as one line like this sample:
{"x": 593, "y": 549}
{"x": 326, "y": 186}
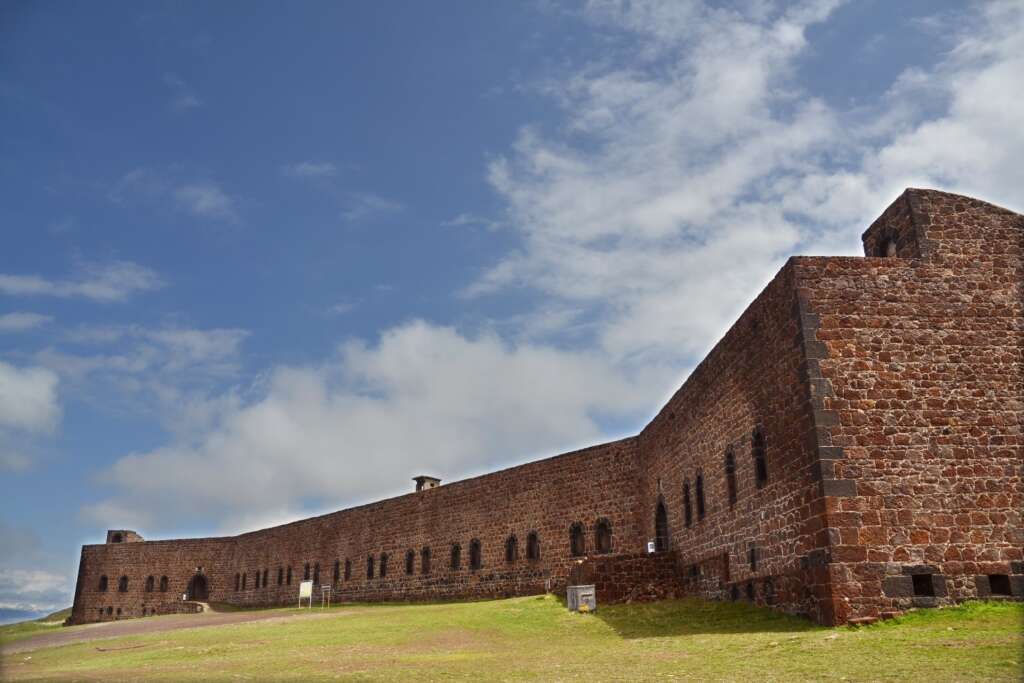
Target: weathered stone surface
{"x": 885, "y": 393}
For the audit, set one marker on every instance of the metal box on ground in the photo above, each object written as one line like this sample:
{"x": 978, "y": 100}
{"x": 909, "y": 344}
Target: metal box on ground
{"x": 581, "y": 598}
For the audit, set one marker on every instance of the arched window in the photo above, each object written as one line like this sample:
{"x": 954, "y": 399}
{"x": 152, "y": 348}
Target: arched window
{"x": 265, "y": 578}
{"x": 256, "y": 581}
{"x": 288, "y": 576}
{"x": 150, "y": 584}
{"x": 456, "y": 556}
{"x": 532, "y": 546}
{"x": 316, "y": 574}
{"x": 425, "y": 561}
{"x": 336, "y": 575}
{"x": 163, "y": 584}
{"x": 122, "y": 584}
{"x": 760, "y": 451}
{"x": 730, "y": 476}
{"x": 410, "y": 561}
{"x": 383, "y": 565}
{"x": 110, "y": 610}
{"x": 280, "y": 576}
{"x": 245, "y": 577}
{"x": 577, "y": 541}
{"x": 305, "y": 572}
{"x": 603, "y": 536}
{"x": 348, "y": 569}
{"x": 687, "y": 506}
{"x": 475, "y": 560}
{"x": 661, "y": 527}
{"x": 511, "y": 549}
{"x": 369, "y": 567}
{"x": 238, "y": 581}
{"x": 103, "y": 584}
{"x": 700, "y": 496}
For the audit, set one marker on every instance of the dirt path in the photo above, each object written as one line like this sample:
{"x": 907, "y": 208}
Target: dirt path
{"x": 133, "y": 627}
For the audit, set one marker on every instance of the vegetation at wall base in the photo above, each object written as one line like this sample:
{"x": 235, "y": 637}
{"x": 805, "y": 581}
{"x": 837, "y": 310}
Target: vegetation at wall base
{"x": 536, "y": 638}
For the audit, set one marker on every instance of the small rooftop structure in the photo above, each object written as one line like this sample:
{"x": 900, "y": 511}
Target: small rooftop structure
{"x": 425, "y": 482}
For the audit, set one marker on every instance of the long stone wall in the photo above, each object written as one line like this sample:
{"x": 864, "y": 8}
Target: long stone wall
{"x": 852, "y": 446}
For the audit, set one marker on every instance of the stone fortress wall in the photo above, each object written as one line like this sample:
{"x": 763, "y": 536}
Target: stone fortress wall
{"x": 850, "y": 448}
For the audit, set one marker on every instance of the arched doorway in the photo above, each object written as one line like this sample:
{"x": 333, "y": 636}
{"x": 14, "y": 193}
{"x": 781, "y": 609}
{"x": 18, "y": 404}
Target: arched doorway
{"x": 661, "y": 527}
{"x": 198, "y": 589}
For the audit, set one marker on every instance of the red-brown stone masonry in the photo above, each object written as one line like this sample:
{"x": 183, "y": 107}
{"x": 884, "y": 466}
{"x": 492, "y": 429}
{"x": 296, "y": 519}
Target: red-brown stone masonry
{"x": 756, "y": 375}
{"x": 545, "y": 496}
{"x": 926, "y": 364}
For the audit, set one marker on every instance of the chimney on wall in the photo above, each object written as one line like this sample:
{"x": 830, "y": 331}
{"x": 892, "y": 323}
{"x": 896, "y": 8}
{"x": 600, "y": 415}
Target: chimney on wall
{"x": 424, "y": 482}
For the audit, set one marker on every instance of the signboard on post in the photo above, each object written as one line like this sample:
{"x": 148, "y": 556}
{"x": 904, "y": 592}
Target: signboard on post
{"x": 306, "y": 591}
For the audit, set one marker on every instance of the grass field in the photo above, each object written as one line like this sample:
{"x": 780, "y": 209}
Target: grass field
{"x": 537, "y": 639}
{"x": 24, "y": 629}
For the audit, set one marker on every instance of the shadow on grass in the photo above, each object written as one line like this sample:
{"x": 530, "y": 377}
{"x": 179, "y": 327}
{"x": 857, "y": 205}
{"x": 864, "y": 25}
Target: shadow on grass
{"x": 692, "y": 616}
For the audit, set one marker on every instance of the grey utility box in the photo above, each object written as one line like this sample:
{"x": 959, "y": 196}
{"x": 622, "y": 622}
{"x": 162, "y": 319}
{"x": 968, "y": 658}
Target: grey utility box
{"x": 581, "y": 598}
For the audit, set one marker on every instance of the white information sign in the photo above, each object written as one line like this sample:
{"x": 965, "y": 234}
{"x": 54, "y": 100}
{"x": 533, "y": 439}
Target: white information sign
{"x": 306, "y": 591}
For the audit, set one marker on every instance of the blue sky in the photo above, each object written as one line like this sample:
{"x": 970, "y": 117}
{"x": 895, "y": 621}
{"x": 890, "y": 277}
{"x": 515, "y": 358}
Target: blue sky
{"x": 261, "y": 263}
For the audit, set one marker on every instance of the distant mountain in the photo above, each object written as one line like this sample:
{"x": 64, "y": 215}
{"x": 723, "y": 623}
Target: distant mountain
{"x": 11, "y": 616}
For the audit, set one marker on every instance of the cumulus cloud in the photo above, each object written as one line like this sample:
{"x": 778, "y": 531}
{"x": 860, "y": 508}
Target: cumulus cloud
{"x": 423, "y": 399}
{"x": 183, "y": 96}
{"x": 107, "y": 282}
{"x": 691, "y": 163}
{"x": 30, "y": 580}
{"x": 362, "y": 206}
{"x": 28, "y": 398}
{"x": 310, "y": 169}
{"x": 22, "y": 322}
{"x": 206, "y": 200}
{"x": 29, "y": 407}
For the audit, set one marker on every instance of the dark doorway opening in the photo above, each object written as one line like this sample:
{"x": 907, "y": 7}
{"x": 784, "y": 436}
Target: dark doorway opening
{"x": 661, "y": 528}
{"x": 198, "y": 588}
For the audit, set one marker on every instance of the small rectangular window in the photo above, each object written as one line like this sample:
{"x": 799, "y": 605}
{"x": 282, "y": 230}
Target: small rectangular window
{"x": 924, "y": 586}
{"x": 999, "y": 584}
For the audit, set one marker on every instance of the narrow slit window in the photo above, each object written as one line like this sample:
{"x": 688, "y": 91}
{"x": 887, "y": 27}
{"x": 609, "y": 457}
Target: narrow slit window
{"x": 475, "y": 559}
{"x": 661, "y": 527}
{"x": 103, "y": 584}
{"x": 603, "y": 536}
{"x": 687, "y": 505}
{"x": 577, "y": 540}
{"x": 699, "y": 486}
{"x": 730, "y": 476}
{"x": 410, "y": 562}
{"x": 425, "y": 561}
{"x": 369, "y": 567}
{"x": 511, "y": 549}
{"x": 456, "y": 563}
{"x": 760, "y": 451}
{"x": 533, "y": 546}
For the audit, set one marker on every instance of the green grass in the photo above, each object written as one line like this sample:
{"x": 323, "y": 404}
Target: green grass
{"x": 537, "y": 639}
{"x": 24, "y": 629}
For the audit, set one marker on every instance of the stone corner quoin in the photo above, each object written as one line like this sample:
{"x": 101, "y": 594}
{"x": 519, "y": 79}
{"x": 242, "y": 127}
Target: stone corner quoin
{"x": 851, "y": 448}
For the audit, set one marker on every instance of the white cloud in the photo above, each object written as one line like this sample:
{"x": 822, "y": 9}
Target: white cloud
{"x": 691, "y": 163}
{"x": 29, "y": 408}
{"x": 310, "y": 169}
{"x": 184, "y": 97}
{"x": 424, "y": 399}
{"x": 362, "y": 206}
{"x": 28, "y": 399}
{"x": 30, "y": 579}
{"x": 206, "y": 200}
{"x": 108, "y": 282}
{"x": 22, "y": 322}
